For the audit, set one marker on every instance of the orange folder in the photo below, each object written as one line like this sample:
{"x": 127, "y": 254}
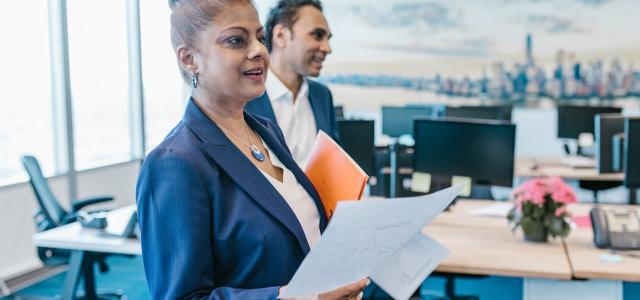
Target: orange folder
{"x": 334, "y": 174}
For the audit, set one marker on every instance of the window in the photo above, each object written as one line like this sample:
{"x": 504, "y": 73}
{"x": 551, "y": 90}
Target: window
{"x": 166, "y": 100}
{"x": 25, "y": 114}
{"x": 99, "y": 81}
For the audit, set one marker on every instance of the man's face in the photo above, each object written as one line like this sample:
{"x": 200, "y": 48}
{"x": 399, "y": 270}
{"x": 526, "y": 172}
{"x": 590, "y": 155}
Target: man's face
{"x": 309, "y": 42}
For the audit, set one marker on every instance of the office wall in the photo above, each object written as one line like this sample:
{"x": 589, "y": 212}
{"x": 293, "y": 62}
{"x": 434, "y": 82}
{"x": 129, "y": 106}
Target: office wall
{"x": 17, "y": 203}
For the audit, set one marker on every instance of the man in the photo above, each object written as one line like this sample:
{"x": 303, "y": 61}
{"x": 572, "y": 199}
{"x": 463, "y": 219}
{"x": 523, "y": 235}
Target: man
{"x": 297, "y": 38}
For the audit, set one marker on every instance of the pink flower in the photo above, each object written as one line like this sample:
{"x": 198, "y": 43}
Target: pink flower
{"x": 561, "y": 210}
{"x": 537, "y": 196}
{"x": 535, "y": 190}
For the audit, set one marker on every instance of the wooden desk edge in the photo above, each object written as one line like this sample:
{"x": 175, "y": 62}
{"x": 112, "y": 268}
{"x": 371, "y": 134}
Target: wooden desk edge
{"x": 493, "y": 272}
{"x": 606, "y": 276}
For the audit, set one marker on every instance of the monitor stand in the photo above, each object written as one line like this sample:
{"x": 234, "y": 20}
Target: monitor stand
{"x": 393, "y": 165}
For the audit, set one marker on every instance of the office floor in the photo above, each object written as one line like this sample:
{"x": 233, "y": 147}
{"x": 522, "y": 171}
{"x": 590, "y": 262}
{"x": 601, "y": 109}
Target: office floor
{"x": 127, "y": 274}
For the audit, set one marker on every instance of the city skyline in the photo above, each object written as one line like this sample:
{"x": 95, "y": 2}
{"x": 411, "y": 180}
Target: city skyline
{"x": 414, "y": 38}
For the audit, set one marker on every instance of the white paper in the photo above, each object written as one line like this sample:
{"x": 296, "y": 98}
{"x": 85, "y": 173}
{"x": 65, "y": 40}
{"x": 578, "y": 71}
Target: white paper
{"x": 498, "y": 209}
{"x": 402, "y": 273}
{"x": 118, "y": 220}
{"x": 361, "y": 236}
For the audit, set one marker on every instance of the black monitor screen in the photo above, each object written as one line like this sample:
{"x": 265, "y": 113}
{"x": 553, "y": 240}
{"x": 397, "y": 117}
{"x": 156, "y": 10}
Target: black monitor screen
{"x": 356, "y": 138}
{"x": 632, "y": 152}
{"x": 487, "y": 112}
{"x": 606, "y": 126}
{"x": 574, "y": 120}
{"x": 398, "y": 121}
{"x": 483, "y": 151}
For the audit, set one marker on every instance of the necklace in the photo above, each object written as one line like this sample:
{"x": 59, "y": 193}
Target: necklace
{"x": 255, "y": 152}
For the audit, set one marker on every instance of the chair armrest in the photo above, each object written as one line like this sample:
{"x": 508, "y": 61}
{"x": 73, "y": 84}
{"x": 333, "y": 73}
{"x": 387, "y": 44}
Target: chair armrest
{"x": 79, "y": 204}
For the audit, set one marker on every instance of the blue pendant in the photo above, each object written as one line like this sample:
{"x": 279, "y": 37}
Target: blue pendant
{"x": 257, "y": 154}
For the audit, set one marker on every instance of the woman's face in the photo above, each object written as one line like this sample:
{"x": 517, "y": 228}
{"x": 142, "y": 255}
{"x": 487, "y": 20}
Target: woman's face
{"x": 231, "y": 59}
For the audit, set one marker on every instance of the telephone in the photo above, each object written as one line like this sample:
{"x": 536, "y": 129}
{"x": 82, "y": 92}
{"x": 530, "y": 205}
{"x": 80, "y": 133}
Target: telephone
{"x": 616, "y": 228}
{"x": 97, "y": 220}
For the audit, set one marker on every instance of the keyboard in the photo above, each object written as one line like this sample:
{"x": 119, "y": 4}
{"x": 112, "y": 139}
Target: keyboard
{"x": 579, "y": 162}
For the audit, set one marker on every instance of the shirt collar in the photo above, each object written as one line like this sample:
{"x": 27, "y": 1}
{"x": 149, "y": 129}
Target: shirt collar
{"x": 276, "y": 90}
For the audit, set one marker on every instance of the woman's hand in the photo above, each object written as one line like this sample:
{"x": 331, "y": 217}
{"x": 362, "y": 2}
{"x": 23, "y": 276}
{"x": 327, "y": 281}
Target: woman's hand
{"x": 348, "y": 292}
{"x": 351, "y": 291}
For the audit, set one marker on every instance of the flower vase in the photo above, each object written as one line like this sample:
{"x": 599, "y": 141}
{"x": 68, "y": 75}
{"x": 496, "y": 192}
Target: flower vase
{"x": 537, "y": 234}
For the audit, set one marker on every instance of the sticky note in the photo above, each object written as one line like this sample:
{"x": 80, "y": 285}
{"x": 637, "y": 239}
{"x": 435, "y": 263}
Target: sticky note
{"x": 420, "y": 182}
{"x": 466, "y": 190}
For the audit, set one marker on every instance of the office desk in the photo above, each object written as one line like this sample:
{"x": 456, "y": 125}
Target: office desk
{"x": 84, "y": 244}
{"x": 534, "y": 167}
{"x": 487, "y": 246}
{"x": 479, "y": 245}
{"x": 585, "y": 257}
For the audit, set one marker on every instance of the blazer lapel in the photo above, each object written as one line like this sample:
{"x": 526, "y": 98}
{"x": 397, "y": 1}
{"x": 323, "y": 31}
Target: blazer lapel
{"x": 262, "y": 104}
{"x": 316, "y": 107}
{"x": 242, "y": 171}
{"x": 269, "y": 136}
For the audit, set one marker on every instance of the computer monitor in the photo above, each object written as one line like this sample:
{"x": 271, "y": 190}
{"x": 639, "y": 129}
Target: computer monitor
{"x": 398, "y": 121}
{"x": 605, "y": 127}
{"x": 481, "y": 150}
{"x": 632, "y": 152}
{"x": 357, "y": 139}
{"x": 485, "y": 112}
{"x": 437, "y": 110}
{"x": 574, "y": 120}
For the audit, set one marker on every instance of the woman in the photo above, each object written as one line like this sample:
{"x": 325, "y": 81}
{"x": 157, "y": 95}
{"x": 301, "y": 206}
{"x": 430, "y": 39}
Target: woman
{"x": 224, "y": 210}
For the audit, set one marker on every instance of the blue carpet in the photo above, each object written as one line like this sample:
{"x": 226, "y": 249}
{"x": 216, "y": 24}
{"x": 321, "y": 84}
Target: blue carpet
{"x": 631, "y": 290}
{"x": 491, "y": 287}
{"x": 127, "y": 274}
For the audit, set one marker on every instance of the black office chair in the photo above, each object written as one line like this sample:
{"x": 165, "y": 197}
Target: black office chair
{"x": 596, "y": 186}
{"x": 51, "y": 215}
{"x": 374, "y": 292}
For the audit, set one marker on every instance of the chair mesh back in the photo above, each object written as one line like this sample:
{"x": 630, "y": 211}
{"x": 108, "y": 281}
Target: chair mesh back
{"x": 48, "y": 202}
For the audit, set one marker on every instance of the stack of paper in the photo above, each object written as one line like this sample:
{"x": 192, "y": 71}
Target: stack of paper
{"x": 333, "y": 173}
{"x": 498, "y": 209}
{"x": 381, "y": 240}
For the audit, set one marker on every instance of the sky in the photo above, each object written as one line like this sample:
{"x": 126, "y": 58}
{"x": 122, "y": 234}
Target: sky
{"x": 482, "y": 31}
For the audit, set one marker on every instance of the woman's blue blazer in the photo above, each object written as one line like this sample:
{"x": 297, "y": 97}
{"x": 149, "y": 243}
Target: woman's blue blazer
{"x": 212, "y": 226}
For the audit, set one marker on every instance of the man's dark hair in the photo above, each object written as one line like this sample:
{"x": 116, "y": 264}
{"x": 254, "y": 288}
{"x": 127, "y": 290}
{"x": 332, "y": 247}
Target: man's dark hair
{"x": 286, "y": 13}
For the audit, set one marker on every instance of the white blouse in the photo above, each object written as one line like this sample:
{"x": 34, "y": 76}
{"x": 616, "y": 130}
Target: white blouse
{"x": 297, "y": 198}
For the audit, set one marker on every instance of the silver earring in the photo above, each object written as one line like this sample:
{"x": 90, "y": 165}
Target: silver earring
{"x": 194, "y": 80}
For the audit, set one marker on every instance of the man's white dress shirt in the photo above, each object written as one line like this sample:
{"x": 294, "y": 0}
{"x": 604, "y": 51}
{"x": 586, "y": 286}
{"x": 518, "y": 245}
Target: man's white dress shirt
{"x": 295, "y": 118}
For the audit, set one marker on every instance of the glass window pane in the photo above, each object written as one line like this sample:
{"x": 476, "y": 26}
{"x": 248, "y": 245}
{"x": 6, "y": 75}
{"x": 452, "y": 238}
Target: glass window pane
{"x": 99, "y": 81}
{"x": 165, "y": 93}
{"x": 25, "y": 114}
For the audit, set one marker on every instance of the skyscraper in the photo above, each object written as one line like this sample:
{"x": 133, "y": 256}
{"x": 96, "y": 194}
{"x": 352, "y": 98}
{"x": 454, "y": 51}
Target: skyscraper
{"x": 529, "y": 50}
